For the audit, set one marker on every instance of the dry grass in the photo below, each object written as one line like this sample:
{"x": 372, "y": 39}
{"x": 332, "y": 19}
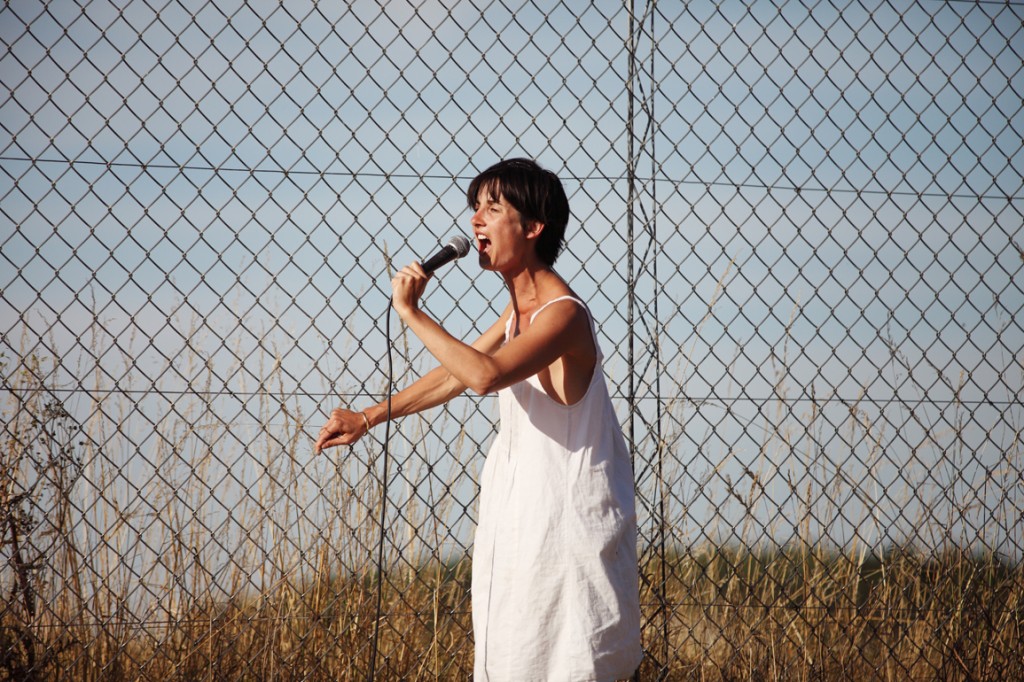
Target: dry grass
{"x": 115, "y": 573}
{"x": 805, "y": 614}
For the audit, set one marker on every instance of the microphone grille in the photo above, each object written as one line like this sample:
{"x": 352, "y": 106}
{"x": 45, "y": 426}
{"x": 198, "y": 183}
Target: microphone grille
{"x": 460, "y": 244}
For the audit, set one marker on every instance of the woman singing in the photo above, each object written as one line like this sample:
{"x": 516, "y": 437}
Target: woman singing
{"x": 555, "y": 588}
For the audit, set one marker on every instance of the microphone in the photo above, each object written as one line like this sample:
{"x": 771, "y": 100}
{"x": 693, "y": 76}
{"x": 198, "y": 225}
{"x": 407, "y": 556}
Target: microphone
{"x": 456, "y": 248}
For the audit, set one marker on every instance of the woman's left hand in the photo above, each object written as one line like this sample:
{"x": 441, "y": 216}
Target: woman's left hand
{"x": 407, "y": 287}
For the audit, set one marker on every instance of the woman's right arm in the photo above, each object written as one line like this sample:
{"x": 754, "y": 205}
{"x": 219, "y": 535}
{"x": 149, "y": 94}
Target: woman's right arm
{"x": 434, "y": 388}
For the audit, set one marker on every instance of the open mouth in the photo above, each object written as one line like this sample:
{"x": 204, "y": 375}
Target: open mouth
{"x": 482, "y": 243}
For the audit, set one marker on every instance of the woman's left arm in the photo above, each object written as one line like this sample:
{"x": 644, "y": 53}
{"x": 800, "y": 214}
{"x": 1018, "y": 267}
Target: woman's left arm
{"x": 564, "y": 330}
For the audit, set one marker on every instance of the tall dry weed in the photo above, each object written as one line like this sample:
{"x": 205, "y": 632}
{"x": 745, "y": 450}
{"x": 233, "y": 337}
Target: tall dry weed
{"x": 211, "y": 547}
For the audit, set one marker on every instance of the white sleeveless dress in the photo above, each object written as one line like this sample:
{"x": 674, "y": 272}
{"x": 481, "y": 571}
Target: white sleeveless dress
{"x": 555, "y": 585}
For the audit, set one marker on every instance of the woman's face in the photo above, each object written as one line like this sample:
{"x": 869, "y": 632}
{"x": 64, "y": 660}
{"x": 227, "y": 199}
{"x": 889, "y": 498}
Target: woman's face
{"x": 498, "y": 229}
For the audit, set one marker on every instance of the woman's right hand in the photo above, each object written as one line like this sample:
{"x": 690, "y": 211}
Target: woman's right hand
{"x": 344, "y": 427}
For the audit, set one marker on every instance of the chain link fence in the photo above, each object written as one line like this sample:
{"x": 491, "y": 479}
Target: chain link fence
{"x": 799, "y": 228}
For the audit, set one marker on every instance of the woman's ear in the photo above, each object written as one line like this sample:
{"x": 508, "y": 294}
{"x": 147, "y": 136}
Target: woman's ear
{"x": 534, "y": 229}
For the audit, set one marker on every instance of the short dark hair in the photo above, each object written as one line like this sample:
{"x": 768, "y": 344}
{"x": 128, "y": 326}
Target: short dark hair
{"x": 536, "y": 193}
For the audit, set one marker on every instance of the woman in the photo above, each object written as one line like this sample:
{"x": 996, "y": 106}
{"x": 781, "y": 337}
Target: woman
{"x": 554, "y": 586}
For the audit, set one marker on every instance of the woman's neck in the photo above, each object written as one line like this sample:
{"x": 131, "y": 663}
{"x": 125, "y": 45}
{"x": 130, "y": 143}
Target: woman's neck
{"x": 528, "y": 284}
{"x": 529, "y": 287}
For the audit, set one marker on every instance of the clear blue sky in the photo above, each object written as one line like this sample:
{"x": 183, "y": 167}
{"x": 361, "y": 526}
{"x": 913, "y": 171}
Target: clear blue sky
{"x": 844, "y": 182}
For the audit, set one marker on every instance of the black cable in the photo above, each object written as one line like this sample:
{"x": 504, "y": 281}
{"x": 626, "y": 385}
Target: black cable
{"x": 383, "y": 495}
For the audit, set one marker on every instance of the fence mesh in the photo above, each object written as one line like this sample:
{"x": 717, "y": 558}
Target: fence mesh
{"x": 799, "y": 228}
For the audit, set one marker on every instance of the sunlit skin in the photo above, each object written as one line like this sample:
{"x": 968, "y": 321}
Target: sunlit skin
{"x": 557, "y": 347}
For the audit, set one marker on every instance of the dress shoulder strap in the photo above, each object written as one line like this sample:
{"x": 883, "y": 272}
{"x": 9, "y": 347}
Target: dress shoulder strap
{"x": 555, "y": 300}
{"x": 593, "y": 330}
{"x": 512, "y": 317}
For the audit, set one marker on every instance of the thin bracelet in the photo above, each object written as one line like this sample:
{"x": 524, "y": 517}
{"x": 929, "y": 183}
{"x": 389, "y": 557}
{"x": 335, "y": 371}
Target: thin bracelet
{"x": 367, "y": 420}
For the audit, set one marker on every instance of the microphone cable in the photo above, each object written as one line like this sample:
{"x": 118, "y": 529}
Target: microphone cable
{"x": 383, "y": 495}
{"x": 456, "y": 248}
